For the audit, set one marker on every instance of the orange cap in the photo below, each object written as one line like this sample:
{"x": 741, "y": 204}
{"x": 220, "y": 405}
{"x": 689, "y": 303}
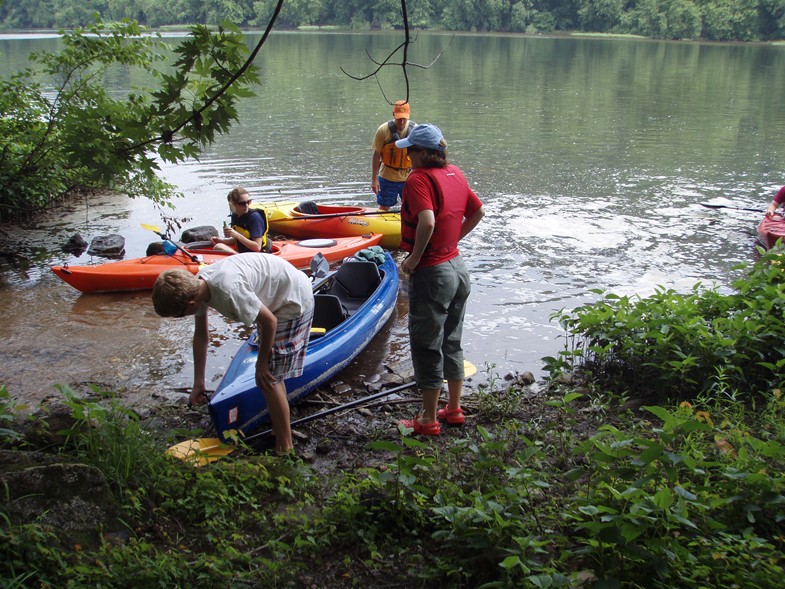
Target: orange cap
{"x": 401, "y": 110}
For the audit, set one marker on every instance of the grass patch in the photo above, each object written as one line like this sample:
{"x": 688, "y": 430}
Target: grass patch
{"x": 552, "y": 489}
{"x": 607, "y": 35}
{"x": 322, "y": 28}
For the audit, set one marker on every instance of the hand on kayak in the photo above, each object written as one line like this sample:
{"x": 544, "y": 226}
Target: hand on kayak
{"x": 197, "y": 397}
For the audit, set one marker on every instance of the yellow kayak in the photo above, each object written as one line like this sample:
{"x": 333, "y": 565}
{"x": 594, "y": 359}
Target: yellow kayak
{"x": 331, "y": 221}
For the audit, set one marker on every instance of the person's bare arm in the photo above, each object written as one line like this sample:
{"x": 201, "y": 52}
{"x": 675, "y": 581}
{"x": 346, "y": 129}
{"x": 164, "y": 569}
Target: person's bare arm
{"x": 376, "y": 163}
{"x": 254, "y": 245}
{"x": 267, "y": 323}
{"x": 470, "y": 223}
{"x": 426, "y": 223}
{"x": 198, "y": 395}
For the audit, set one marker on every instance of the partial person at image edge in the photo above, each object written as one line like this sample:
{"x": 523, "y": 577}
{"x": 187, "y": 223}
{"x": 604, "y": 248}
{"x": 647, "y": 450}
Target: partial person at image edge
{"x": 775, "y": 203}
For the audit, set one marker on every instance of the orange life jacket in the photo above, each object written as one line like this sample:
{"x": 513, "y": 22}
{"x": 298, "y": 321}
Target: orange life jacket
{"x": 395, "y": 157}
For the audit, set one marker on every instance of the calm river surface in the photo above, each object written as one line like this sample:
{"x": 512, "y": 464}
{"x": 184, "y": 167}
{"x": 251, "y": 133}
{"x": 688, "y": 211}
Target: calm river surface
{"x": 592, "y": 156}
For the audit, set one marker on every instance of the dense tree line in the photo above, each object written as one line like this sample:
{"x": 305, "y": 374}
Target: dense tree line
{"x": 720, "y": 20}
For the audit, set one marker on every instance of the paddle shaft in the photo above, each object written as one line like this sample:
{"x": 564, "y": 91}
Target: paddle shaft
{"x": 349, "y": 405}
{"x": 155, "y": 230}
{"x": 711, "y": 206}
{"x": 332, "y": 216}
{"x": 191, "y": 256}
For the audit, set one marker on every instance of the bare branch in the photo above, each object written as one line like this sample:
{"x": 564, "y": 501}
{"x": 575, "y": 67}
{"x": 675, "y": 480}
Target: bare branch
{"x": 388, "y": 61}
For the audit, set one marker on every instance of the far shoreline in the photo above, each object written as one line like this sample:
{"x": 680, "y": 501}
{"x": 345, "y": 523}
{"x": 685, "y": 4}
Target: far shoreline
{"x": 184, "y": 29}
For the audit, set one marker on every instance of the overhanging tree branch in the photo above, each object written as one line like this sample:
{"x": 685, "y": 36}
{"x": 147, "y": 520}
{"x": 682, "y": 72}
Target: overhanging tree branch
{"x": 196, "y": 116}
{"x": 403, "y": 64}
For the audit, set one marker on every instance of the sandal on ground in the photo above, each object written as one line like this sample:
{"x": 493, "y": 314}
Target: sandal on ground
{"x": 423, "y": 429}
{"x": 452, "y": 416}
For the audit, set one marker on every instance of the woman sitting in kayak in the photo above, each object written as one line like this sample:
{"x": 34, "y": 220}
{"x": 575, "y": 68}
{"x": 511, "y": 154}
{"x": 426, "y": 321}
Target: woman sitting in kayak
{"x": 247, "y": 230}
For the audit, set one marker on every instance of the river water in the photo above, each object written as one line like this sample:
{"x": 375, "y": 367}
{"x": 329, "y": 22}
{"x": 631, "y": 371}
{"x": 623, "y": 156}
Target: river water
{"x": 591, "y": 155}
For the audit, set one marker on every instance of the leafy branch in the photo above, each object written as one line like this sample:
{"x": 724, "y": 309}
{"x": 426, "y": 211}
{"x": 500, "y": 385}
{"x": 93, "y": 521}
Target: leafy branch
{"x": 76, "y": 134}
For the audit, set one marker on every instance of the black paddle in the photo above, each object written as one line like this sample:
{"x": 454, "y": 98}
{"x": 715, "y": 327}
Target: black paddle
{"x": 469, "y": 370}
{"x": 711, "y": 206}
{"x": 332, "y": 410}
{"x": 202, "y": 451}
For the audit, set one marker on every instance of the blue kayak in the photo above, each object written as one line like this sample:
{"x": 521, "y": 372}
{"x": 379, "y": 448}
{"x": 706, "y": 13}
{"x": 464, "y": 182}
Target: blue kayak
{"x": 349, "y": 311}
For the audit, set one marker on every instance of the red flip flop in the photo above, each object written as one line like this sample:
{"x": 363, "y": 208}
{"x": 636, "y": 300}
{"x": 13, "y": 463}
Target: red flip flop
{"x": 423, "y": 429}
{"x": 452, "y": 416}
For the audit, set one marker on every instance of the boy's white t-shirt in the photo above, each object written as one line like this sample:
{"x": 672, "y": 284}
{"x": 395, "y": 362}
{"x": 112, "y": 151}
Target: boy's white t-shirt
{"x": 241, "y": 283}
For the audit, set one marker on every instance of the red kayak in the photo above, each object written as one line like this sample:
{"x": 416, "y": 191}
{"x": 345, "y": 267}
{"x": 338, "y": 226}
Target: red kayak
{"x": 141, "y": 273}
{"x": 770, "y": 230}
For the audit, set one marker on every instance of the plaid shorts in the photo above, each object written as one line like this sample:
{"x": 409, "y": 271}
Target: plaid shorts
{"x": 291, "y": 343}
{"x": 389, "y": 192}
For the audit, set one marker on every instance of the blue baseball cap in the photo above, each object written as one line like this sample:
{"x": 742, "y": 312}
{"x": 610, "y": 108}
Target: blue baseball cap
{"x": 425, "y": 135}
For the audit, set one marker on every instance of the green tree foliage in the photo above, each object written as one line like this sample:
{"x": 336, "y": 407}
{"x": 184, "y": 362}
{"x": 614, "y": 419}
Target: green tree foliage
{"x": 294, "y": 13}
{"x": 73, "y": 134}
{"x": 731, "y": 20}
{"x": 476, "y": 15}
{"x": 721, "y": 20}
{"x": 600, "y": 15}
{"x": 664, "y": 19}
{"x": 772, "y": 19}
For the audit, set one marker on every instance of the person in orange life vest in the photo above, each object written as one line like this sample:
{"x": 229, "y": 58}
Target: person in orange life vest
{"x": 438, "y": 209}
{"x": 390, "y": 166}
{"x": 778, "y": 199}
{"x": 247, "y": 230}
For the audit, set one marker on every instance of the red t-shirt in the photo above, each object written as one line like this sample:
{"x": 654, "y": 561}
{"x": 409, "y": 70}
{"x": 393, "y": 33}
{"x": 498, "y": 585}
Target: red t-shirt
{"x": 446, "y": 192}
{"x": 779, "y": 198}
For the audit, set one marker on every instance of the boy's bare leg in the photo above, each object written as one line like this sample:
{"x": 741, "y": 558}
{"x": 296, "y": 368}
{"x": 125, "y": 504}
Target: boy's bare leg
{"x": 278, "y": 407}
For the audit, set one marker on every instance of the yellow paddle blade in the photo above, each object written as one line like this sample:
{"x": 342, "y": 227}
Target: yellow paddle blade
{"x": 153, "y": 228}
{"x": 469, "y": 369}
{"x": 201, "y": 451}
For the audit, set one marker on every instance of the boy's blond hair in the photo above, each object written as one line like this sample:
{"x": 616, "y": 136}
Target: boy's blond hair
{"x": 173, "y": 290}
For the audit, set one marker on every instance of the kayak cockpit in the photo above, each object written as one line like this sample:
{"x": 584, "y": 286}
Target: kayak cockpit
{"x": 351, "y": 286}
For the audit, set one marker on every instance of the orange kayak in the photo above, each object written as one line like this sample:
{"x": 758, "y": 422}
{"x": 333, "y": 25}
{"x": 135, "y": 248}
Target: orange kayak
{"x": 141, "y": 273}
{"x": 332, "y": 220}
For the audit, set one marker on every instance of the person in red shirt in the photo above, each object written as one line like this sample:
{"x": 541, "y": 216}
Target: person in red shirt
{"x": 438, "y": 209}
{"x": 778, "y": 199}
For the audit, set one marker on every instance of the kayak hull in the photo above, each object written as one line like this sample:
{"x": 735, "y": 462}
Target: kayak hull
{"x": 238, "y": 406}
{"x": 284, "y": 219}
{"x": 141, "y": 273}
{"x": 770, "y": 230}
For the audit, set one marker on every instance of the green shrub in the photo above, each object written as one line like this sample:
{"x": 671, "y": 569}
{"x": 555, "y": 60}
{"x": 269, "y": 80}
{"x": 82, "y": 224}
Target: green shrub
{"x": 674, "y": 345}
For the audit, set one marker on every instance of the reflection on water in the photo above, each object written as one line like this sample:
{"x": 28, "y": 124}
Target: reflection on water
{"x": 591, "y": 156}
